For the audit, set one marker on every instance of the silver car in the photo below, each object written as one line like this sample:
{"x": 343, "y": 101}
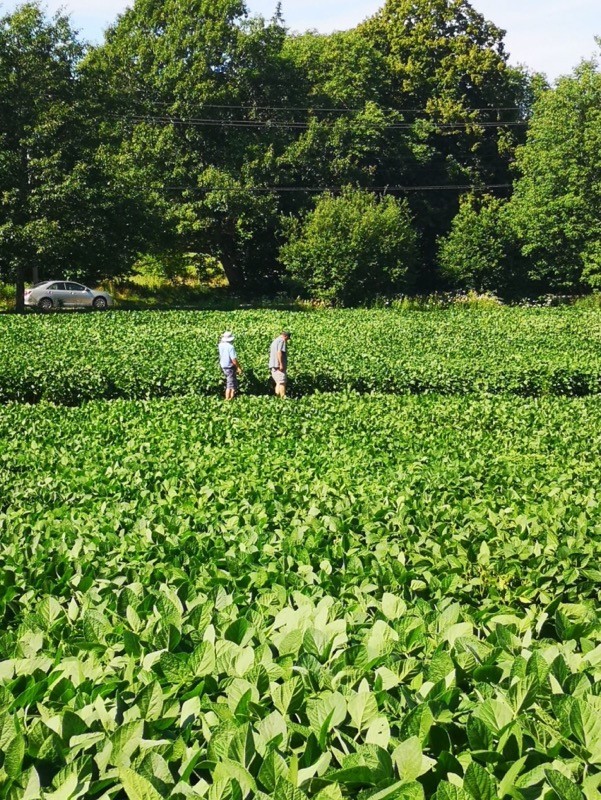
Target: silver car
{"x": 66, "y": 294}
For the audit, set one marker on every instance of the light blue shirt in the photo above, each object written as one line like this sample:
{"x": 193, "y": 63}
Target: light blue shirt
{"x": 227, "y": 354}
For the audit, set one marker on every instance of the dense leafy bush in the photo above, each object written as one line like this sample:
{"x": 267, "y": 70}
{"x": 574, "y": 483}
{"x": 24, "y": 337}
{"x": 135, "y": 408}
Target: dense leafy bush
{"x": 392, "y": 598}
{"x": 352, "y": 247}
{"x": 481, "y": 251}
{"x": 73, "y": 358}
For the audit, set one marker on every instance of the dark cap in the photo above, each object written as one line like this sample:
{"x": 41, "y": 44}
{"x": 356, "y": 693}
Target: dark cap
{"x": 286, "y": 333}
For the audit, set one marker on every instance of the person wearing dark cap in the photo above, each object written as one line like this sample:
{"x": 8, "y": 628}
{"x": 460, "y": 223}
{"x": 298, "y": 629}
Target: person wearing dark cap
{"x": 278, "y": 363}
{"x": 228, "y": 360}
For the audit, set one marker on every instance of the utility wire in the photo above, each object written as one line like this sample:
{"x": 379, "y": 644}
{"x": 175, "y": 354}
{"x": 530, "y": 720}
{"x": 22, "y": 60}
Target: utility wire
{"x": 313, "y": 109}
{"x": 258, "y": 124}
{"x": 330, "y": 110}
{"x": 319, "y": 189}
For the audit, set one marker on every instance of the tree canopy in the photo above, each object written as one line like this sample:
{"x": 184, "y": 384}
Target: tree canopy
{"x": 234, "y": 123}
{"x": 195, "y": 130}
{"x": 62, "y": 209}
{"x": 557, "y": 198}
{"x": 547, "y": 236}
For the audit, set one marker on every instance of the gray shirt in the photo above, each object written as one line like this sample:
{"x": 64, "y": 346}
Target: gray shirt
{"x": 278, "y": 346}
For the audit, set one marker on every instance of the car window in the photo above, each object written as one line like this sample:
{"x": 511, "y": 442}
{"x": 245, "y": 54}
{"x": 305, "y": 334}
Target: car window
{"x": 56, "y": 287}
{"x": 75, "y": 287}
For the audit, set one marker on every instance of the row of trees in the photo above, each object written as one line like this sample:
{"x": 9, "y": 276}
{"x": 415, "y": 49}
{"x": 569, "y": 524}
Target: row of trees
{"x": 547, "y": 235}
{"x": 194, "y": 129}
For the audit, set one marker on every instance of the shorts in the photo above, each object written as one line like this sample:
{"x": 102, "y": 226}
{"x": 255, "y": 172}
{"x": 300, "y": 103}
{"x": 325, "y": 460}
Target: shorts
{"x": 279, "y": 377}
{"x": 231, "y": 379}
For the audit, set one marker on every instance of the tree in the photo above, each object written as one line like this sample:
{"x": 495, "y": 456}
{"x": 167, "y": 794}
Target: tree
{"x": 352, "y": 247}
{"x": 447, "y": 73}
{"x": 62, "y": 215}
{"x": 347, "y": 137}
{"x": 440, "y": 52}
{"x": 480, "y": 252}
{"x": 179, "y": 76}
{"x": 555, "y": 208}
{"x": 220, "y": 115}
{"x": 37, "y": 87}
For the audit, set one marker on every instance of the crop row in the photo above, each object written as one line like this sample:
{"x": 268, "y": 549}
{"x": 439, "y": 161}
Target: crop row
{"x": 373, "y": 597}
{"x": 69, "y": 359}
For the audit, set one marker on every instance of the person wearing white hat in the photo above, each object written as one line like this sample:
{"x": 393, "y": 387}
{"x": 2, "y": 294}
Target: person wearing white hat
{"x": 228, "y": 360}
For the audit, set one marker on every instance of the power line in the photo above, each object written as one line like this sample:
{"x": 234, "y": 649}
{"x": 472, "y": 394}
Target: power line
{"x": 313, "y": 109}
{"x": 320, "y": 189}
{"x": 250, "y": 106}
{"x": 258, "y": 124}
{"x": 351, "y": 110}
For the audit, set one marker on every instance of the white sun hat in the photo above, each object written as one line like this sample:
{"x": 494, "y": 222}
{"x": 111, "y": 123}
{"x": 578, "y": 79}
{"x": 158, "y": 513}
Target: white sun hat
{"x": 228, "y": 336}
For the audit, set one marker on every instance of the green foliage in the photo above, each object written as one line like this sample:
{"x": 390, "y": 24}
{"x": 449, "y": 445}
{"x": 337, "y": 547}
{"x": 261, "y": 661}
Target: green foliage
{"x": 481, "y": 253}
{"x": 556, "y": 197}
{"x": 325, "y": 106}
{"x": 201, "y": 180}
{"x": 37, "y": 89}
{"x": 62, "y": 215}
{"x": 392, "y": 598}
{"x": 177, "y": 134}
{"x": 445, "y": 57}
{"x": 348, "y": 139}
{"x": 352, "y": 247}
{"x": 440, "y": 50}
{"x": 547, "y": 237}
{"x": 184, "y": 131}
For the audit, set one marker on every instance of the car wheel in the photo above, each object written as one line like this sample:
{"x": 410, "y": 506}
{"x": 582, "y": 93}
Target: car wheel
{"x": 45, "y": 304}
{"x": 100, "y": 303}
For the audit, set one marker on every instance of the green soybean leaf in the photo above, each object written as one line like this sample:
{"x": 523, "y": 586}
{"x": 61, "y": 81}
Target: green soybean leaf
{"x": 362, "y": 709}
{"x": 13, "y": 759}
{"x": 272, "y": 769}
{"x": 564, "y": 788}
{"x": 448, "y": 791}
{"x": 478, "y": 783}
{"x": 136, "y": 786}
{"x": 585, "y": 723}
{"x": 408, "y": 759}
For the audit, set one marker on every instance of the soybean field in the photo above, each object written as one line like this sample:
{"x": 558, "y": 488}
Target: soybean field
{"x": 386, "y": 587}
{"x": 72, "y": 358}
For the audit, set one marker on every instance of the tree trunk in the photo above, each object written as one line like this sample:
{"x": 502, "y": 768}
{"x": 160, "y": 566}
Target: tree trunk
{"x": 233, "y": 273}
{"x": 22, "y": 218}
{"x": 20, "y": 291}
